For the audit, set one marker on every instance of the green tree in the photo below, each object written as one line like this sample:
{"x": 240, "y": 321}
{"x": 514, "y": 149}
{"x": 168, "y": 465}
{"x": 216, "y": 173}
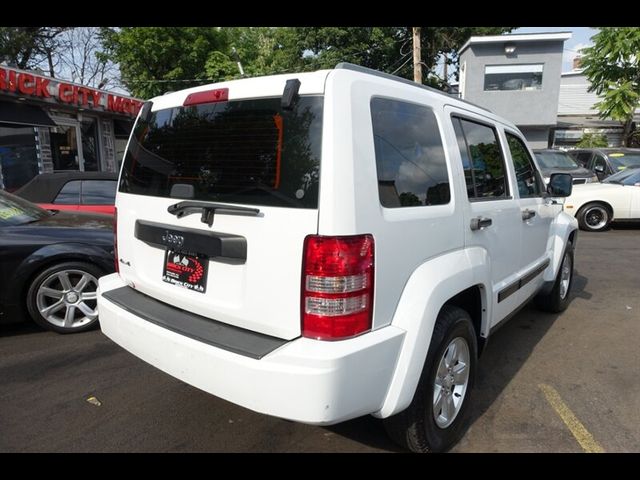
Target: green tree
{"x": 593, "y": 140}
{"x": 31, "y": 47}
{"x": 612, "y": 65}
{"x": 154, "y": 60}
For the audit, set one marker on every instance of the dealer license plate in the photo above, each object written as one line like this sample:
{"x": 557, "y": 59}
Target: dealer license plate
{"x": 185, "y": 270}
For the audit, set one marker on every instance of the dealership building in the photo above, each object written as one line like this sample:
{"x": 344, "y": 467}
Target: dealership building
{"x": 48, "y": 124}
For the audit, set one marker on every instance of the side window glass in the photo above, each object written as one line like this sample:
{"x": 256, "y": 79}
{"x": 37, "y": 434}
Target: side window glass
{"x": 583, "y": 158}
{"x": 98, "y": 192}
{"x": 526, "y": 178}
{"x": 485, "y": 171}
{"x": 69, "y": 194}
{"x": 410, "y": 160}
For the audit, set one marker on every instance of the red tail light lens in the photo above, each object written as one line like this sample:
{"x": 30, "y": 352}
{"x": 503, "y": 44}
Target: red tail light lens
{"x": 337, "y": 286}
{"x": 115, "y": 239}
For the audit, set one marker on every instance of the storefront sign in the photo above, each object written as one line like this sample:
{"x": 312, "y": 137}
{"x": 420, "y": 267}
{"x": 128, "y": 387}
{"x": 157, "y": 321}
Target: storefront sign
{"x": 46, "y": 88}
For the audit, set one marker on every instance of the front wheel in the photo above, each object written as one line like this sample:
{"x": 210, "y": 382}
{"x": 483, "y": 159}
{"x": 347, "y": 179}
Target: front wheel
{"x": 63, "y": 297}
{"x": 557, "y": 300}
{"x": 436, "y": 417}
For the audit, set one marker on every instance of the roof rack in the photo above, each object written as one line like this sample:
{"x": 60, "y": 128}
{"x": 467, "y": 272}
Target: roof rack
{"x": 388, "y": 76}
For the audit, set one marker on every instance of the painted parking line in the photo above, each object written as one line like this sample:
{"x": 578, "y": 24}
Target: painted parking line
{"x": 578, "y": 430}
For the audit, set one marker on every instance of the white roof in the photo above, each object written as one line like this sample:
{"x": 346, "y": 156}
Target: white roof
{"x": 518, "y": 37}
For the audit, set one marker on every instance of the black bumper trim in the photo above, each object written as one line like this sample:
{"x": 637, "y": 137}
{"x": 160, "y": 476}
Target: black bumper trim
{"x": 227, "y": 337}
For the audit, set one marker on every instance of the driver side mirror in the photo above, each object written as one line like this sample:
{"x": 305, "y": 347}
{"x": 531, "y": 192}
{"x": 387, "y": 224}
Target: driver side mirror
{"x": 560, "y": 185}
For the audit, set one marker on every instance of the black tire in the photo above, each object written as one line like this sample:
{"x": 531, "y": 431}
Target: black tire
{"x": 50, "y": 280}
{"x": 416, "y": 428}
{"x": 594, "y": 217}
{"x": 557, "y": 300}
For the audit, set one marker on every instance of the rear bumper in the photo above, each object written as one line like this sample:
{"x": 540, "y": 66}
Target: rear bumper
{"x": 304, "y": 380}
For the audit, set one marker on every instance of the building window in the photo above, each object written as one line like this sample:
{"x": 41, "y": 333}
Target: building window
{"x": 18, "y": 156}
{"x": 513, "y": 77}
{"x": 410, "y": 160}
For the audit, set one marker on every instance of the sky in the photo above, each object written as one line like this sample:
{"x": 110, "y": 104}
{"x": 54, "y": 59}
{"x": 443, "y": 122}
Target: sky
{"x": 580, "y": 38}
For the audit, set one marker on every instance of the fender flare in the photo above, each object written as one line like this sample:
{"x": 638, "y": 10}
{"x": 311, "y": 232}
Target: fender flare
{"x": 56, "y": 253}
{"x": 424, "y": 295}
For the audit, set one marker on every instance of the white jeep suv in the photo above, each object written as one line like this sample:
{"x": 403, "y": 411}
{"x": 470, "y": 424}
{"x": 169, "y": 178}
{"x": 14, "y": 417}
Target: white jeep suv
{"x": 321, "y": 246}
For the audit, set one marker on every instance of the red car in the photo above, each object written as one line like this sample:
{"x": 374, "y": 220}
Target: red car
{"x": 72, "y": 190}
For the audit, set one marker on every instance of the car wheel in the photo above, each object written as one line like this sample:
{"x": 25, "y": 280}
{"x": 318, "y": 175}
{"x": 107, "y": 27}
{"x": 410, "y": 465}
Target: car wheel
{"x": 63, "y": 297}
{"x": 436, "y": 417}
{"x": 594, "y": 217}
{"x": 557, "y": 300}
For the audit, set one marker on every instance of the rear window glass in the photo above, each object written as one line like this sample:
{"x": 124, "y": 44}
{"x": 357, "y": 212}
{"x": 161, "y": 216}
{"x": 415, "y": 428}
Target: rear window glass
{"x": 247, "y": 151}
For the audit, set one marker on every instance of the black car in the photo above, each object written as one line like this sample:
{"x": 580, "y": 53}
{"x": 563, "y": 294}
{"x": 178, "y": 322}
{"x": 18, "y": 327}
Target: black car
{"x": 557, "y": 161}
{"x": 50, "y": 262}
{"x": 606, "y": 161}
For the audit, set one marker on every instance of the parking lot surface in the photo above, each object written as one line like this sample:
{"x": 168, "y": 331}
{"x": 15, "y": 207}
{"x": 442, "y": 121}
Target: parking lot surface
{"x": 546, "y": 383}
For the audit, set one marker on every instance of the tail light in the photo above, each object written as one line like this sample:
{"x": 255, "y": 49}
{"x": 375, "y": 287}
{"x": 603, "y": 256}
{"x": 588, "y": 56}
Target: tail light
{"x": 115, "y": 239}
{"x": 337, "y": 286}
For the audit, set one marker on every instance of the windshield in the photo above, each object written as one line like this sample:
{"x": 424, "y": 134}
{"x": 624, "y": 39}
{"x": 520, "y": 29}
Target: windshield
{"x": 555, "y": 160}
{"x": 629, "y": 176}
{"x": 244, "y": 151}
{"x": 620, "y": 160}
{"x": 16, "y": 211}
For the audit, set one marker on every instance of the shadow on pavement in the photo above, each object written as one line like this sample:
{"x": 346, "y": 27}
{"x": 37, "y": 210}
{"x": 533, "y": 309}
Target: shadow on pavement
{"x": 506, "y": 353}
{"x": 510, "y": 347}
{"x": 23, "y": 328}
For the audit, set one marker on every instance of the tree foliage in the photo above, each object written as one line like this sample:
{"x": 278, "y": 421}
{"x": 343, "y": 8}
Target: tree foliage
{"x": 612, "y": 65}
{"x": 156, "y": 59}
{"x": 31, "y": 47}
{"x": 593, "y": 140}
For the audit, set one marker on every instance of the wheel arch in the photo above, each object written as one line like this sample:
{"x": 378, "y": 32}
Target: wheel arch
{"x": 50, "y": 255}
{"x": 465, "y": 285}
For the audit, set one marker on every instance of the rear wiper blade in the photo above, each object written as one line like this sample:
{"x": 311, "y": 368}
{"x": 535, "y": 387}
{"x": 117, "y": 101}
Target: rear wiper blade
{"x": 208, "y": 209}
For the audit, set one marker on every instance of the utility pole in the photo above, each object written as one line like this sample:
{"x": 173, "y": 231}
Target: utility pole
{"x": 417, "y": 57}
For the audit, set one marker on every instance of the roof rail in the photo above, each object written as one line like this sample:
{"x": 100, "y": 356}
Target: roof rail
{"x": 388, "y": 76}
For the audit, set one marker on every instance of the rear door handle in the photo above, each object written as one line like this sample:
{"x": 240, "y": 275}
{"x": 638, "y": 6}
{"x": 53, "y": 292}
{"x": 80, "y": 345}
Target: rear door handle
{"x": 528, "y": 214}
{"x": 479, "y": 223}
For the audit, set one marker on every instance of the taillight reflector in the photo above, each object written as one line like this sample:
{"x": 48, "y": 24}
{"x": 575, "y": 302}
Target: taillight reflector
{"x": 208, "y": 96}
{"x": 337, "y": 286}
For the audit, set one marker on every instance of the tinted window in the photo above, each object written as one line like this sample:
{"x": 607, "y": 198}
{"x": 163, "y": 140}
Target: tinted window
{"x": 410, "y": 160}
{"x": 526, "y": 177}
{"x": 69, "y": 194}
{"x": 482, "y": 160}
{"x": 98, "y": 192}
{"x": 583, "y": 158}
{"x": 244, "y": 151}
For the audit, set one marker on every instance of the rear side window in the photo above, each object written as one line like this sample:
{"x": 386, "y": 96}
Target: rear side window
{"x": 410, "y": 160}
{"x": 245, "y": 151}
{"x": 98, "y": 192}
{"x": 69, "y": 194}
{"x": 484, "y": 168}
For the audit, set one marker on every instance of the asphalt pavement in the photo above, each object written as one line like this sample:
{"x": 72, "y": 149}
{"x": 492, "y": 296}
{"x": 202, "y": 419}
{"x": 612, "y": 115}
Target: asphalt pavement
{"x": 546, "y": 383}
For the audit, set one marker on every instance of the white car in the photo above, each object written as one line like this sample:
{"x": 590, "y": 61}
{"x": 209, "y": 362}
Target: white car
{"x": 320, "y": 246}
{"x": 596, "y": 205}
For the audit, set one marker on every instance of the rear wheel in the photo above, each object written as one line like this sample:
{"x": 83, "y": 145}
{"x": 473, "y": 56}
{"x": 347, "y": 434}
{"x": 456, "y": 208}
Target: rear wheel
{"x": 436, "y": 417}
{"x": 63, "y": 297}
{"x": 594, "y": 217}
